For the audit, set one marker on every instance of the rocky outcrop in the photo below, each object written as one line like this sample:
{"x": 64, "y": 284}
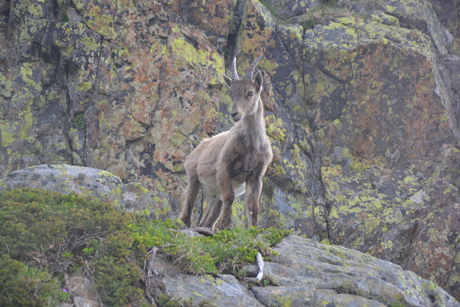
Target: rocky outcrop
{"x": 88, "y": 181}
{"x": 361, "y": 98}
{"x": 67, "y": 179}
{"x": 306, "y": 273}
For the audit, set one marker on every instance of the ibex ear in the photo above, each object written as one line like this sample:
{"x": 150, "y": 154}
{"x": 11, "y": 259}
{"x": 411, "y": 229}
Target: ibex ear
{"x": 259, "y": 80}
{"x": 227, "y": 80}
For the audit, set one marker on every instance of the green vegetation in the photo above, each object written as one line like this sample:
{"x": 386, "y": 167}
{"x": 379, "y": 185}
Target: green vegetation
{"x": 309, "y": 23}
{"x": 63, "y": 9}
{"x": 24, "y": 286}
{"x": 45, "y": 235}
{"x": 79, "y": 122}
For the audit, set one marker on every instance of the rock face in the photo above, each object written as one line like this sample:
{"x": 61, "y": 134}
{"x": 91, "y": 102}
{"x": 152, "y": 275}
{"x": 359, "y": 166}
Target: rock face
{"x": 362, "y": 107}
{"x": 306, "y": 273}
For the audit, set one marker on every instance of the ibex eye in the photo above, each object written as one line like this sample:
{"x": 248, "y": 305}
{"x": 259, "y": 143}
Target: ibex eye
{"x": 251, "y": 93}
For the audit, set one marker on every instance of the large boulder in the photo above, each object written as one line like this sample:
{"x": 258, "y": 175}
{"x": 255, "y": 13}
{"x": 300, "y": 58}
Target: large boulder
{"x": 88, "y": 181}
{"x": 307, "y": 273}
{"x": 66, "y": 179}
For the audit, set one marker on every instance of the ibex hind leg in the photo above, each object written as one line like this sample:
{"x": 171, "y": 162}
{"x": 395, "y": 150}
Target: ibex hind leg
{"x": 212, "y": 212}
{"x": 190, "y": 197}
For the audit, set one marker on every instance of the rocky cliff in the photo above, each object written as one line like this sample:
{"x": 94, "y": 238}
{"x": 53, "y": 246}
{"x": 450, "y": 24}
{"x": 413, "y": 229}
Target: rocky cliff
{"x": 361, "y": 105}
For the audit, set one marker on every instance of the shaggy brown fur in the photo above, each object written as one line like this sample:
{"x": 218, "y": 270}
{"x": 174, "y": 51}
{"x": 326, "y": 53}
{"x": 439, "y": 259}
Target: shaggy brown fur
{"x": 232, "y": 162}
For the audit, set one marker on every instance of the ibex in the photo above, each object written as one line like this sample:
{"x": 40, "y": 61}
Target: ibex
{"x": 233, "y": 162}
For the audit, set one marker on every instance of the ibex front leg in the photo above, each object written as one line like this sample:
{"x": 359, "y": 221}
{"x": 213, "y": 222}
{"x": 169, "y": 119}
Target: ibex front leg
{"x": 228, "y": 196}
{"x": 253, "y": 191}
{"x": 190, "y": 197}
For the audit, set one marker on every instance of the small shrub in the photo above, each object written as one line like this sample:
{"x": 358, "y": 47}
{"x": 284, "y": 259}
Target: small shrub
{"x": 79, "y": 120}
{"x": 309, "y": 23}
{"x": 24, "y": 286}
{"x": 118, "y": 281}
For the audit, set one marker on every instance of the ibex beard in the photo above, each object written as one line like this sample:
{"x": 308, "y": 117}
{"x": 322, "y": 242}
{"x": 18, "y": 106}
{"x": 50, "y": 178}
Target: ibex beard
{"x": 233, "y": 162}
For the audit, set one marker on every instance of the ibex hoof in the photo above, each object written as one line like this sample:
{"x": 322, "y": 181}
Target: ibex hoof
{"x": 226, "y": 225}
{"x": 186, "y": 221}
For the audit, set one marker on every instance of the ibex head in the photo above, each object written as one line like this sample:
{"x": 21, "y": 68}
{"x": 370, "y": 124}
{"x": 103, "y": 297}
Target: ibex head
{"x": 245, "y": 91}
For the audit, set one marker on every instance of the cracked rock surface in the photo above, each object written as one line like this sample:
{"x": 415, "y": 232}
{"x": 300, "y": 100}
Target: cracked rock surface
{"x": 307, "y": 273}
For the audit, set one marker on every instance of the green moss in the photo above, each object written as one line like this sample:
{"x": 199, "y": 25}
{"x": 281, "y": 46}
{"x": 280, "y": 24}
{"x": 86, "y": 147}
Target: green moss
{"x": 84, "y": 86}
{"x": 319, "y": 134}
{"x": 358, "y": 166}
{"x": 35, "y": 10}
{"x": 141, "y": 188}
{"x": 6, "y": 137}
{"x": 390, "y": 9}
{"x": 28, "y": 121}
{"x": 160, "y": 187}
{"x": 188, "y": 55}
{"x": 17, "y": 130}
{"x": 275, "y": 128}
{"x": 102, "y": 22}
{"x": 90, "y": 43}
{"x": 7, "y": 87}
{"x": 26, "y": 72}
{"x": 49, "y": 223}
{"x": 159, "y": 48}
{"x": 278, "y": 170}
{"x": 178, "y": 139}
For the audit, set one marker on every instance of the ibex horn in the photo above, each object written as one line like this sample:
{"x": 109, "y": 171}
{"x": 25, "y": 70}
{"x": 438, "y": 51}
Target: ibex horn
{"x": 234, "y": 72}
{"x": 251, "y": 69}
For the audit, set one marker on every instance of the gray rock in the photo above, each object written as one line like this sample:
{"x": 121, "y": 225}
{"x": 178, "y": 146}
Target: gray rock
{"x": 223, "y": 290}
{"x": 67, "y": 179}
{"x": 138, "y": 198}
{"x": 307, "y": 273}
{"x": 88, "y": 181}
{"x": 220, "y": 290}
{"x": 84, "y": 291}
